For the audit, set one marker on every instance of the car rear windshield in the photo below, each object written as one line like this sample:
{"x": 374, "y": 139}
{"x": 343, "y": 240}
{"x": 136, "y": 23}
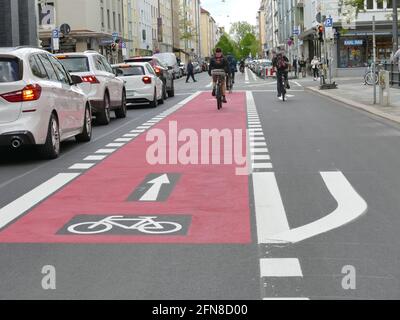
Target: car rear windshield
{"x": 75, "y": 64}
{"x": 132, "y": 70}
{"x": 139, "y": 60}
{"x": 9, "y": 70}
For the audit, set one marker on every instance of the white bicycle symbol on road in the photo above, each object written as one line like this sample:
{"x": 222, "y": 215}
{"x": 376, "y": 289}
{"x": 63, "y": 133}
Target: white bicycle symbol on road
{"x": 146, "y": 225}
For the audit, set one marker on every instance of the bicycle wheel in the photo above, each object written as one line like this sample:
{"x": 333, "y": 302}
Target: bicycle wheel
{"x": 218, "y": 95}
{"x": 167, "y": 227}
{"x": 84, "y": 228}
{"x": 370, "y": 78}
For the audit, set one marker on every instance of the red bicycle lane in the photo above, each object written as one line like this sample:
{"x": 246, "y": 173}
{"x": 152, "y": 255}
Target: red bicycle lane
{"x": 212, "y": 199}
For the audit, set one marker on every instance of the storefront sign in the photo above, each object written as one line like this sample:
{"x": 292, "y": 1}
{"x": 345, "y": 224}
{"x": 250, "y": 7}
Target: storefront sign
{"x": 353, "y": 42}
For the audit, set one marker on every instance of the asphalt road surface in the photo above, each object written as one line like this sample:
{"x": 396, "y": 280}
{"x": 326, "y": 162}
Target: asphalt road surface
{"x": 147, "y": 210}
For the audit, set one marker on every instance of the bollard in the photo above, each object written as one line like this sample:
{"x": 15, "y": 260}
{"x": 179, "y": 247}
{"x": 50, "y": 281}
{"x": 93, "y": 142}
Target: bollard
{"x": 384, "y": 88}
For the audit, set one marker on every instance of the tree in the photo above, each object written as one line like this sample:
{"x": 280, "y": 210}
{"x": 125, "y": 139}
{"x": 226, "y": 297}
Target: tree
{"x": 240, "y": 29}
{"x": 227, "y": 45}
{"x": 187, "y": 30}
{"x": 249, "y": 45}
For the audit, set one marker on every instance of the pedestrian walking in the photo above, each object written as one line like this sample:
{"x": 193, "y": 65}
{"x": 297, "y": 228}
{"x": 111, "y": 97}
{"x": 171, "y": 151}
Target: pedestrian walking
{"x": 303, "y": 67}
{"x": 395, "y": 58}
{"x": 190, "y": 71}
{"x": 295, "y": 66}
{"x": 315, "y": 67}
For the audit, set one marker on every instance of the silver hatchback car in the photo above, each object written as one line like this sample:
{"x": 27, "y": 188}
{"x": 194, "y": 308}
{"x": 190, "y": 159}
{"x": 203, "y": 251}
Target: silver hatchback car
{"x": 40, "y": 102}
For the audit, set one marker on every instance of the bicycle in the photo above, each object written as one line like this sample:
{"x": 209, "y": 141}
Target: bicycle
{"x": 220, "y": 76}
{"x": 283, "y": 86}
{"x": 146, "y": 225}
{"x": 369, "y": 76}
{"x": 229, "y": 84}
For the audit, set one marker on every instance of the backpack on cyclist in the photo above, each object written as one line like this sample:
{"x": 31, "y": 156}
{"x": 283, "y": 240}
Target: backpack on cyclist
{"x": 281, "y": 63}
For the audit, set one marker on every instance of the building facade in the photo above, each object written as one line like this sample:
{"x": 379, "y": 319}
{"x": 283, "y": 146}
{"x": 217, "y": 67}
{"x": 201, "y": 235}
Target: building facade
{"x": 208, "y": 34}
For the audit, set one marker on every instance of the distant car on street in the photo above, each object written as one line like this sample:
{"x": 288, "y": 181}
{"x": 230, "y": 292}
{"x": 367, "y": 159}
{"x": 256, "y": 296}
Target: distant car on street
{"x": 162, "y": 72}
{"x": 169, "y": 59}
{"x": 41, "y": 104}
{"x": 106, "y": 92}
{"x": 141, "y": 83}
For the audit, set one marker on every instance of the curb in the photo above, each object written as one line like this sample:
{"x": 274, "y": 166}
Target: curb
{"x": 355, "y": 104}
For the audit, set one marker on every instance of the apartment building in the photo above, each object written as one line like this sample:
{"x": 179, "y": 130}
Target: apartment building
{"x": 208, "y": 33}
{"x": 190, "y": 44}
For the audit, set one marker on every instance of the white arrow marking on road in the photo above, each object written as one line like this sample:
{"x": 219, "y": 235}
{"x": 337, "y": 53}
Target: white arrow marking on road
{"x": 246, "y": 76}
{"x": 350, "y": 207}
{"x": 154, "y": 191}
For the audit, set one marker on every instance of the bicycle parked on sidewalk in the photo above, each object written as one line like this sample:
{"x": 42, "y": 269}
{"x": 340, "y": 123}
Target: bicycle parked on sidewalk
{"x": 370, "y": 77}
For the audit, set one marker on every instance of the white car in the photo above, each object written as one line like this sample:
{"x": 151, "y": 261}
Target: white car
{"x": 40, "y": 102}
{"x": 141, "y": 82}
{"x": 106, "y": 92}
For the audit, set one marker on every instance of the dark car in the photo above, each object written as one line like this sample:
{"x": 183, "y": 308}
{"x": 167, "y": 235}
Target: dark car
{"x": 162, "y": 72}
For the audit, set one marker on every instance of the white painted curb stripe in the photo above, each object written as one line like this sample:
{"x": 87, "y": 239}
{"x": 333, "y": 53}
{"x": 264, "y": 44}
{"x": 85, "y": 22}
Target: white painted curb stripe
{"x": 260, "y": 157}
{"x": 81, "y": 166}
{"x": 270, "y": 212}
{"x": 287, "y": 267}
{"x": 262, "y": 166}
{"x": 279, "y": 299}
{"x": 115, "y": 145}
{"x": 18, "y": 207}
{"x": 94, "y": 158}
{"x": 107, "y": 151}
{"x": 123, "y": 139}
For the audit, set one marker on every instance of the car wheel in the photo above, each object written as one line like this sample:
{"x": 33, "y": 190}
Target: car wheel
{"x": 51, "y": 148}
{"x": 171, "y": 92}
{"x": 165, "y": 95}
{"x": 86, "y": 134}
{"x": 104, "y": 117}
{"x": 154, "y": 103}
{"x": 122, "y": 111}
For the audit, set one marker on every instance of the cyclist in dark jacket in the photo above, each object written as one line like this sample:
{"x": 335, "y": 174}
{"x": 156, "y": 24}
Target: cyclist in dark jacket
{"x": 232, "y": 66}
{"x": 281, "y": 64}
{"x": 218, "y": 61}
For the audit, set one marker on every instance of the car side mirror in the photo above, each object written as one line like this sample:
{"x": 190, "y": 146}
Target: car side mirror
{"x": 76, "y": 79}
{"x": 118, "y": 72}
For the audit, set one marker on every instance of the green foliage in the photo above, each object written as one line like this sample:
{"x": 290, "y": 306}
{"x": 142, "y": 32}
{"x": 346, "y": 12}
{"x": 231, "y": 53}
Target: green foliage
{"x": 227, "y": 45}
{"x": 249, "y": 45}
{"x": 240, "y": 29}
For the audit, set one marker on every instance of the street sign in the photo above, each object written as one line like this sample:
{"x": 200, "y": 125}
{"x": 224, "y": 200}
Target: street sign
{"x": 65, "y": 29}
{"x": 329, "y": 23}
{"x": 329, "y": 33}
{"x": 115, "y": 36}
{"x": 55, "y": 39}
{"x": 296, "y": 31}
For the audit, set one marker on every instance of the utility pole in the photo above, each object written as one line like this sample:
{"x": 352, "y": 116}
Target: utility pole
{"x": 395, "y": 27}
{"x": 374, "y": 56}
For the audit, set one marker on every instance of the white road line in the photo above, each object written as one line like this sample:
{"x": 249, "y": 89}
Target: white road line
{"x": 107, "y": 151}
{"x": 123, "y": 139}
{"x": 144, "y": 127}
{"x": 256, "y": 134}
{"x": 81, "y": 166}
{"x": 209, "y": 85}
{"x": 258, "y": 144}
{"x": 115, "y": 145}
{"x": 289, "y": 267}
{"x": 257, "y": 139}
{"x": 350, "y": 207}
{"x": 262, "y": 166}
{"x": 137, "y": 131}
{"x": 94, "y": 158}
{"x": 18, "y": 207}
{"x": 254, "y": 76}
{"x": 255, "y": 130}
{"x": 278, "y": 299}
{"x": 130, "y": 135}
{"x": 246, "y": 76}
{"x": 259, "y": 150}
{"x": 298, "y": 84}
{"x": 270, "y": 212}
{"x": 260, "y": 157}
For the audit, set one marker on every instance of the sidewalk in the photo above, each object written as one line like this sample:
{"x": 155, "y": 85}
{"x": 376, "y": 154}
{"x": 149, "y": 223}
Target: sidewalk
{"x": 360, "y": 96}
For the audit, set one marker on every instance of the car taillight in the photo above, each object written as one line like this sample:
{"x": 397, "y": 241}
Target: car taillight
{"x": 146, "y": 80}
{"x": 31, "y": 92}
{"x": 90, "y": 79}
{"x": 157, "y": 70}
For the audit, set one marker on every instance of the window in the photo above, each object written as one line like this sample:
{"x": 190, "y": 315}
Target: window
{"x": 132, "y": 71}
{"x": 37, "y": 67}
{"x": 119, "y": 22}
{"x": 370, "y": 4}
{"x": 102, "y": 16}
{"x": 9, "y": 70}
{"x": 389, "y": 4}
{"x": 379, "y": 4}
{"x": 59, "y": 69}
{"x": 114, "y": 22}
{"x": 75, "y": 64}
{"x": 108, "y": 19}
{"x": 106, "y": 65}
{"x": 48, "y": 66}
{"x": 150, "y": 69}
{"x": 98, "y": 64}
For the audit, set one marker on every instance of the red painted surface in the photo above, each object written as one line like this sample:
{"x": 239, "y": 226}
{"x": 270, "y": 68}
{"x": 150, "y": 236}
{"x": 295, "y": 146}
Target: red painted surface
{"x": 215, "y": 197}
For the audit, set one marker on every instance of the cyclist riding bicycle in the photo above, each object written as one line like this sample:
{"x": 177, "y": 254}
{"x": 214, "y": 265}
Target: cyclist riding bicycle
{"x": 281, "y": 64}
{"x": 219, "y": 62}
{"x": 242, "y": 66}
{"x": 232, "y": 66}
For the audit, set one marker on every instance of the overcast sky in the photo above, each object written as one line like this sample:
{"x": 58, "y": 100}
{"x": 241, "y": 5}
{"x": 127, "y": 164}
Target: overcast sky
{"x": 237, "y": 10}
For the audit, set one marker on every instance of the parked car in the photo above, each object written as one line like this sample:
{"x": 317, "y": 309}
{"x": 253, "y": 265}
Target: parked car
{"x": 182, "y": 66}
{"x": 169, "y": 59}
{"x": 106, "y": 92}
{"x": 197, "y": 67}
{"x": 162, "y": 72}
{"x": 41, "y": 104}
{"x": 141, "y": 83}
